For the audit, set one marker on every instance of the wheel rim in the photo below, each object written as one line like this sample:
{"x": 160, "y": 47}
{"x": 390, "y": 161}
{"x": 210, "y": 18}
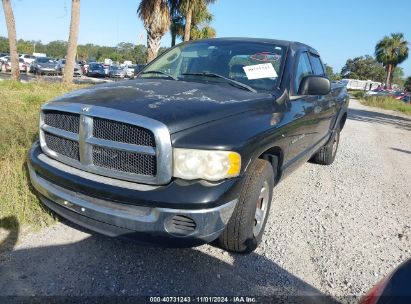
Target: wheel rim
{"x": 335, "y": 143}
{"x": 261, "y": 210}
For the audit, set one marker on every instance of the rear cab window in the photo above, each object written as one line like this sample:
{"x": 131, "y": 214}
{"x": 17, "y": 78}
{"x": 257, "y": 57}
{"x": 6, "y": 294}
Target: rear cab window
{"x": 317, "y": 65}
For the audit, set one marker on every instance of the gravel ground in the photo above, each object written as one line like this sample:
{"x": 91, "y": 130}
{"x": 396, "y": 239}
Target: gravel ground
{"x": 333, "y": 230}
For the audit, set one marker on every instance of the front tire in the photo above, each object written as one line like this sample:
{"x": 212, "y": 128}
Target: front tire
{"x": 245, "y": 228}
{"x": 327, "y": 153}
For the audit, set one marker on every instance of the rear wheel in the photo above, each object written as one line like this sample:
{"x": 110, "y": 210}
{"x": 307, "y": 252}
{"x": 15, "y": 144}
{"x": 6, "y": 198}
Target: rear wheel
{"x": 327, "y": 153}
{"x": 245, "y": 228}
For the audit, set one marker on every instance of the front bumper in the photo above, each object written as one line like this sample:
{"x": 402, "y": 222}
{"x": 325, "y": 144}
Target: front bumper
{"x": 47, "y": 70}
{"x": 148, "y": 223}
{"x": 96, "y": 74}
{"x": 117, "y": 75}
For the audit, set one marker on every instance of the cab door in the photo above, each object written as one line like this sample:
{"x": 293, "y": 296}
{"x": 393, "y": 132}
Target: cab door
{"x": 303, "y": 113}
{"x": 326, "y": 106}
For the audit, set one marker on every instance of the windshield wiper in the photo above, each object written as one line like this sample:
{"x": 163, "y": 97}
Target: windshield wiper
{"x": 230, "y": 81}
{"x": 159, "y": 72}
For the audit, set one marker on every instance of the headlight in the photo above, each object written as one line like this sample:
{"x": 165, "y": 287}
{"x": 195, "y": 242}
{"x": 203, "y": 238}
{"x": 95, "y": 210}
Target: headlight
{"x": 210, "y": 165}
{"x": 39, "y": 66}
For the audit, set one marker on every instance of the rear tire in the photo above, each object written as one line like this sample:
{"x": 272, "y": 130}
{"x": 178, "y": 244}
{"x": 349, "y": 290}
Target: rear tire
{"x": 245, "y": 228}
{"x": 326, "y": 155}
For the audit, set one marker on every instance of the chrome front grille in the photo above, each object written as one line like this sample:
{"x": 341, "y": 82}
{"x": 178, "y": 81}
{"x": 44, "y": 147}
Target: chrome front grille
{"x": 124, "y": 161}
{"x": 118, "y": 131}
{"x": 63, "y": 146}
{"x": 65, "y": 121}
{"x": 107, "y": 142}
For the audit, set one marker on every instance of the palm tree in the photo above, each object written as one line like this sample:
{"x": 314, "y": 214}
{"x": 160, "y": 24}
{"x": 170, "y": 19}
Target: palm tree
{"x": 11, "y": 29}
{"x": 391, "y": 51}
{"x": 176, "y": 20}
{"x": 72, "y": 43}
{"x": 155, "y": 15}
{"x": 202, "y": 31}
{"x": 189, "y": 8}
{"x": 200, "y": 23}
{"x": 200, "y": 26}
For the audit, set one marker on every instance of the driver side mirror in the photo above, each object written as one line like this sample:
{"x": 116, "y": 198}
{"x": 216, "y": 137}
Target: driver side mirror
{"x": 314, "y": 85}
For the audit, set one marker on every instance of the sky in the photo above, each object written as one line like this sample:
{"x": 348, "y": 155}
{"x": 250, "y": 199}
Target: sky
{"x": 337, "y": 29}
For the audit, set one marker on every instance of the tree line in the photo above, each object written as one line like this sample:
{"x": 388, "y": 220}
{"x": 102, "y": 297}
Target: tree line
{"x": 58, "y": 49}
{"x": 390, "y": 52}
{"x": 368, "y": 68}
{"x": 188, "y": 19}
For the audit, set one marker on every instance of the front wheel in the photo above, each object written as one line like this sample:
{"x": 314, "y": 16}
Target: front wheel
{"x": 326, "y": 155}
{"x": 245, "y": 228}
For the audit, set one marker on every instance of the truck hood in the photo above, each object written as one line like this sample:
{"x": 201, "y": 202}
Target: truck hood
{"x": 177, "y": 104}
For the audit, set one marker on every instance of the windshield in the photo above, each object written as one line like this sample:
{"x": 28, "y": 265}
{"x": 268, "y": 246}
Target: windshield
{"x": 96, "y": 66}
{"x": 254, "y": 64}
{"x": 45, "y": 60}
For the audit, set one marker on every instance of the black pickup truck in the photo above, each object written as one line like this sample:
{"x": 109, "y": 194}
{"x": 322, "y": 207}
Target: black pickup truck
{"x": 189, "y": 152}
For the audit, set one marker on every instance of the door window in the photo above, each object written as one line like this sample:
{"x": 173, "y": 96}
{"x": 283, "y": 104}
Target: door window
{"x": 303, "y": 69}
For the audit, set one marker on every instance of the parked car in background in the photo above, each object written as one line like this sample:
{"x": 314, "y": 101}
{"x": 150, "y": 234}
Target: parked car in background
{"x": 406, "y": 98}
{"x": 81, "y": 64}
{"x": 77, "y": 70}
{"x": 394, "y": 288}
{"x": 31, "y": 67}
{"x": 402, "y": 96}
{"x": 22, "y": 66}
{"x": 106, "y": 69}
{"x": 28, "y": 59}
{"x": 396, "y": 94}
{"x": 44, "y": 65}
{"x": 95, "y": 70}
{"x": 61, "y": 64}
{"x": 4, "y": 58}
{"x": 37, "y": 55}
{"x": 117, "y": 72}
{"x": 129, "y": 69}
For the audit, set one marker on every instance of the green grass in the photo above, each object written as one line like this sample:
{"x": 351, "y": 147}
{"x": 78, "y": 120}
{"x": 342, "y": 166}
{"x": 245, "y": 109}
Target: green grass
{"x": 357, "y": 94}
{"x": 387, "y": 103}
{"x": 19, "y": 112}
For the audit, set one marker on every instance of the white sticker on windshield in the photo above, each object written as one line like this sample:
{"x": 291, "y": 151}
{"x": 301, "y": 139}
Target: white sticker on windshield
{"x": 258, "y": 71}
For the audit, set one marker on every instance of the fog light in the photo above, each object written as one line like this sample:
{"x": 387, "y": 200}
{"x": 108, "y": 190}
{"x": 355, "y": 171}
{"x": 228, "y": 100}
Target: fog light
{"x": 180, "y": 225}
